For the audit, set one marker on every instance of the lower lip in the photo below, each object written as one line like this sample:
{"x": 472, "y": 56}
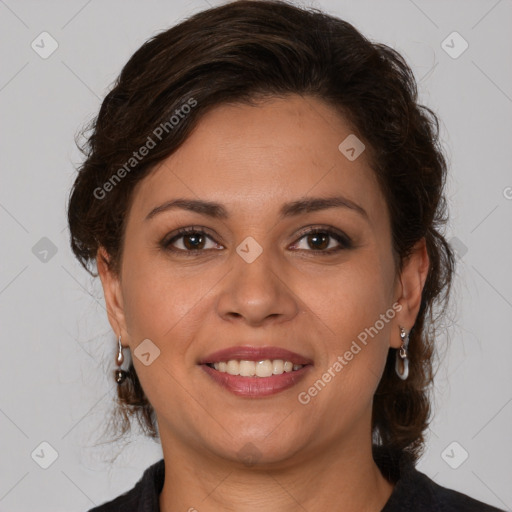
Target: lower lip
{"x": 256, "y": 386}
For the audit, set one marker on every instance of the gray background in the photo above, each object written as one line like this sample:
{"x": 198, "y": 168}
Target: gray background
{"x": 57, "y": 349}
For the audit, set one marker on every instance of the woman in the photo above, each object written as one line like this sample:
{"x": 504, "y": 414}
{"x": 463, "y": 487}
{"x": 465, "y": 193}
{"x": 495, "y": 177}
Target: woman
{"x": 263, "y": 198}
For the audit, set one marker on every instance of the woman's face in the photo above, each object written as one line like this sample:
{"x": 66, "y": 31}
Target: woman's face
{"x": 255, "y": 278}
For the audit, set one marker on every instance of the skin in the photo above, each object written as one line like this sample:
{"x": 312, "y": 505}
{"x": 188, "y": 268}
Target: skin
{"x": 252, "y": 159}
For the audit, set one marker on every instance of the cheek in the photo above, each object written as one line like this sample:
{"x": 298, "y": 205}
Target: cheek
{"x": 165, "y": 303}
{"x": 161, "y": 305}
{"x": 356, "y": 306}
{"x": 155, "y": 302}
{"x": 354, "y": 298}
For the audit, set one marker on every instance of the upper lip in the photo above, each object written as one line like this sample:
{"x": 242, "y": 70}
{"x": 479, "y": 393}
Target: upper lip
{"x": 249, "y": 353}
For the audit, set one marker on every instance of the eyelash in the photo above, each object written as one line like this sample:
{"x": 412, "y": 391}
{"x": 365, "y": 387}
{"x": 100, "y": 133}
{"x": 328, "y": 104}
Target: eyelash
{"x": 344, "y": 241}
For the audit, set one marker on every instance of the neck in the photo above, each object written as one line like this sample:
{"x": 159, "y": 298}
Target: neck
{"x": 340, "y": 477}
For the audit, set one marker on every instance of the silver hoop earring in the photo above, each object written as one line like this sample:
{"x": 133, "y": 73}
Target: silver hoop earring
{"x": 402, "y": 361}
{"x": 120, "y": 375}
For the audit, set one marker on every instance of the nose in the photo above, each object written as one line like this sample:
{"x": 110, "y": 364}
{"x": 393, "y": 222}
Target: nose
{"x": 257, "y": 293}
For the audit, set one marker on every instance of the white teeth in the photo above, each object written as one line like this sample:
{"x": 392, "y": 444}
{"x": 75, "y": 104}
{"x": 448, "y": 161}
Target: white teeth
{"x": 233, "y": 367}
{"x": 264, "y": 368}
{"x": 247, "y": 369}
{"x": 278, "y": 366}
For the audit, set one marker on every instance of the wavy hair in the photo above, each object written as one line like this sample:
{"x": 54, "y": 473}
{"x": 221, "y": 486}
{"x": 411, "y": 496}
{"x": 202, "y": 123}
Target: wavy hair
{"x": 237, "y": 53}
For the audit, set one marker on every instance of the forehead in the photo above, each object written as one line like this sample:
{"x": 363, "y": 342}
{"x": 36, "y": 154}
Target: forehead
{"x": 255, "y": 158}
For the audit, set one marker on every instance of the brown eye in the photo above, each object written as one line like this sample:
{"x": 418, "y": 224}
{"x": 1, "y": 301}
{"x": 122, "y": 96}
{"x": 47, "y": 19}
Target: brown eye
{"x": 324, "y": 241}
{"x": 318, "y": 240}
{"x": 194, "y": 241}
{"x": 189, "y": 240}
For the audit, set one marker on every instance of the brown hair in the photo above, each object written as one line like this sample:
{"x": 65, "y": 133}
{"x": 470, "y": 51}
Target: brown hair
{"x": 246, "y": 50}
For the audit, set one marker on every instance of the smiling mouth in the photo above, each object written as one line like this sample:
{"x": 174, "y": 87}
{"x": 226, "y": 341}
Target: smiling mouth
{"x": 255, "y": 371}
{"x": 262, "y": 369}
{"x": 256, "y": 379}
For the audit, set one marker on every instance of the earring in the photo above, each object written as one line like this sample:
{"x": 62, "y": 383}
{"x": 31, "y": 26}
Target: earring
{"x": 402, "y": 361}
{"x": 120, "y": 375}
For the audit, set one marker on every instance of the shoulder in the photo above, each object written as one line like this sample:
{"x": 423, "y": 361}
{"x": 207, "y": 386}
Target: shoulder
{"x": 142, "y": 497}
{"x": 444, "y": 499}
{"x": 416, "y": 491}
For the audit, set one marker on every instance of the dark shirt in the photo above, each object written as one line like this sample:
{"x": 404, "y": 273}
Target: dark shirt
{"x": 413, "y": 491}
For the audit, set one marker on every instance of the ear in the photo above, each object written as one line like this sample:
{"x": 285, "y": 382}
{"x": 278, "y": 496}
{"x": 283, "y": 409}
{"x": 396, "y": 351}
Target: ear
{"x": 409, "y": 289}
{"x": 113, "y": 294}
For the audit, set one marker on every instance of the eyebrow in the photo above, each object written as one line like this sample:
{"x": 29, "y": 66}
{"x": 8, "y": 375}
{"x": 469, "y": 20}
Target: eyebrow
{"x": 294, "y": 208}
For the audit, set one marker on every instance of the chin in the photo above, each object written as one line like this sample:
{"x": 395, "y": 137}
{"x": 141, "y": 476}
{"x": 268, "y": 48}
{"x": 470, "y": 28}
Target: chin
{"x": 262, "y": 447}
